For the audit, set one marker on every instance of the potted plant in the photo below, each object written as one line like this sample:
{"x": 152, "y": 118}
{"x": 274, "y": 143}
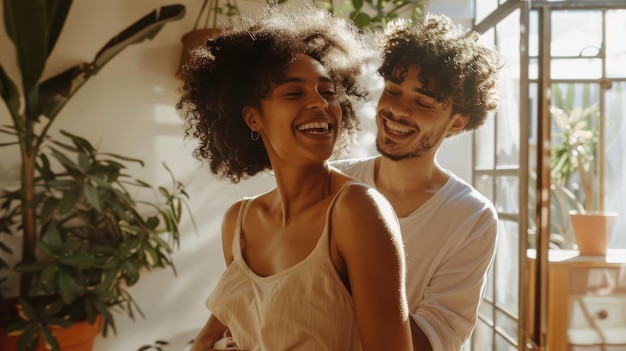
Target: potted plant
{"x": 85, "y": 232}
{"x": 374, "y": 14}
{"x": 207, "y": 26}
{"x": 574, "y": 171}
{"x": 211, "y": 10}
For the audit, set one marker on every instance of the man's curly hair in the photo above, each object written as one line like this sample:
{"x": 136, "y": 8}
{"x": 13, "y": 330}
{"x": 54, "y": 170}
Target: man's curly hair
{"x": 237, "y": 67}
{"x": 452, "y": 61}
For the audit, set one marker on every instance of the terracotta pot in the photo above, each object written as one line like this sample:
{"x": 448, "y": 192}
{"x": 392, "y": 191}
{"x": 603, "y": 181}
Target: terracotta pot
{"x": 191, "y": 40}
{"x": 77, "y": 337}
{"x": 593, "y": 231}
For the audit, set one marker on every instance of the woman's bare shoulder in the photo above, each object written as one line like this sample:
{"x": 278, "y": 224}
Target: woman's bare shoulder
{"x": 358, "y": 196}
{"x": 229, "y": 222}
{"x": 360, "y": 207}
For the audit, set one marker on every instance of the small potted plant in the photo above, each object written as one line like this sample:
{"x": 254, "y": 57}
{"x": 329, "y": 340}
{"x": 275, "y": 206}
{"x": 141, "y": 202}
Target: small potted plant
{"x": 85, "y": 232}
{"x": 574, "y": 175}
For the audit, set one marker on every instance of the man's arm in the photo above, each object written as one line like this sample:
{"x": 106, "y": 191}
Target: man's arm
{"x": 450, "y": 303}
{"x": 211, "y": 332}
{"x": 420, "y": 340}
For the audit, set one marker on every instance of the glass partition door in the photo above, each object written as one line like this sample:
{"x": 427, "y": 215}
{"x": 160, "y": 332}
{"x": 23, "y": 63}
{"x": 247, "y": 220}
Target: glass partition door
{"x": 563, "y": 58}
{"x": 500, "y": 163}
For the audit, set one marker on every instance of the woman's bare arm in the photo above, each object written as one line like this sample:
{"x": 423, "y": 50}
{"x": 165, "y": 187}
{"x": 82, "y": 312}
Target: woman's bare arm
{"x": 213, "y": 329}
{"x": 367, "y": 236}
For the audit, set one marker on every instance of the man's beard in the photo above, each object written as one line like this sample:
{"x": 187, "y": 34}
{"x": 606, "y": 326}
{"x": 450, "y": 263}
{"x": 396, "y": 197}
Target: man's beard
{"x": 426, "y": 144}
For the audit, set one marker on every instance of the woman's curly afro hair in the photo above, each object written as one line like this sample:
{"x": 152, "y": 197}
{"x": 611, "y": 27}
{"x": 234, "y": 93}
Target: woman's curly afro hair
{"x": 237, "y": 67}
{"x": 453, "y": 63}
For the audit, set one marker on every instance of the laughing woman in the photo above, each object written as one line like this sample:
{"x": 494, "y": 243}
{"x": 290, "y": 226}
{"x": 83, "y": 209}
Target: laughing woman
{"x": 316, "y": 263}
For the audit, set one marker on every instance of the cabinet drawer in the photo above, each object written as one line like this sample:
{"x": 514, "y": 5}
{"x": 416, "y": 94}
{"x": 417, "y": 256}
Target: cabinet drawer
{"x": 597, "y": 348}
{"x": 596, "y": 320}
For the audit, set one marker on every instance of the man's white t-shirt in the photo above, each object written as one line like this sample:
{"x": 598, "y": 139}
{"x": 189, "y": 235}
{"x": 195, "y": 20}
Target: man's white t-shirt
{"x": 450, "y": 244}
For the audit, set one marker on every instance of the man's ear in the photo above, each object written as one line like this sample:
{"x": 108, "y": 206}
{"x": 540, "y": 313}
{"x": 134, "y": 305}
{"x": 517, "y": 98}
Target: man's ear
{"x": 250, "y": 116}
{"x": 457, "y": 124}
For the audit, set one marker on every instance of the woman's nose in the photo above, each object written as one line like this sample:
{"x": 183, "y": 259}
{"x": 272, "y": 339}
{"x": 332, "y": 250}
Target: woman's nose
{"x": 318, "y": 101}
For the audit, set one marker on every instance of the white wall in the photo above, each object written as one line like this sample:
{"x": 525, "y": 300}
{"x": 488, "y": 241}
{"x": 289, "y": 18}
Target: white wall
{"x": 128, "y": 108}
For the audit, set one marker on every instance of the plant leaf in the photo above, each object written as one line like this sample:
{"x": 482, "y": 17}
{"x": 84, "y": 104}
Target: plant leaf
{"x": 69, "y": 200}
{"x": 57, "y": 90}
{"x": 91, "y": 193}
{"x": 27, "y": 311}
{"x": 48, "y": 276}
{"x": 29, "y": 338}
{"x": 11, "y": 97}
{"x": 67, "y": 287}
{"x": 54, "y": 239}
{"x": 52, "y": 309}
{"x": 79, "y": 261}
{"x": 81, "y": 143}
{"x": 26, "y": 25}
{"x": 49, "y": 339}
{"x": 65, "y": 161}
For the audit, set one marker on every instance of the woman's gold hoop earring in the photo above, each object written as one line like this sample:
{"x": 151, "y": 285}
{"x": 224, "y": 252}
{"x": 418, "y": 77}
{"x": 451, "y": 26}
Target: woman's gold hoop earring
{"x": 254, "y": 135}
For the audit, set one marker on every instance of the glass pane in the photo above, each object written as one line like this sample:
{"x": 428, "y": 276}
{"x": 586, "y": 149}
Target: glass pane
{"x": 482, "y": 337}
{"x": 486, "y": 311}
{"x": 532, "y": 161}
{"x": 503, "y": 344}
{"x": 488, "y": 38}
{"x": 484, "y": 145}
{"x": 484, "y": 141}
{"x": 576, "y": 33}
{"x": 483, "y": 184}
{"x": 484, "y": 8}
{"x": 506, "y": 325}
{"x": 615, "y": 44}
{"x": 581, "y": 68}
{"x": 507, "y": 267}
{"x": 508, "y": 132}
{"x": 534, "y": 122}
{"x": 615, "y": 187}
{"x": 533, "y": 68}
{"x": 533, "y": 34}
{"x": 507, "y": 194}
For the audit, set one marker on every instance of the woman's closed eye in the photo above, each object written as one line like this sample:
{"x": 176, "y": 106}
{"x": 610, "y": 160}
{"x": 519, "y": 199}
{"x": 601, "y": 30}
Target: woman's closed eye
{"x": 298, "y": 93}
{"x": 328, "y": 92}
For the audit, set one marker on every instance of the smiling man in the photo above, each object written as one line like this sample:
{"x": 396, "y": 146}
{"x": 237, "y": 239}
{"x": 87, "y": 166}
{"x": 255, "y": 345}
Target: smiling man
{"x": 439, "y": 81}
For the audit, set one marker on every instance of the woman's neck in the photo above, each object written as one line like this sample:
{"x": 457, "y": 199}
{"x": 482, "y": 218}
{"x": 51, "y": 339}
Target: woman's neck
{"x": 299, "y": 188}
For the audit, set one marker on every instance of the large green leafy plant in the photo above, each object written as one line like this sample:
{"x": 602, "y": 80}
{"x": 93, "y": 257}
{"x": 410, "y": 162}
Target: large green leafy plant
{"x": 85, "y": 238}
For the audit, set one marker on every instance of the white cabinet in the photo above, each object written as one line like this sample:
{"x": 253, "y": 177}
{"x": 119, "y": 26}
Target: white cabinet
{"x": 586, "y": 301}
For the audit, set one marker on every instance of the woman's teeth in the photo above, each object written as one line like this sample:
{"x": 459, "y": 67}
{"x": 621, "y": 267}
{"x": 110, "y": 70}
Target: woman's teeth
{"x": 315, "y": 127}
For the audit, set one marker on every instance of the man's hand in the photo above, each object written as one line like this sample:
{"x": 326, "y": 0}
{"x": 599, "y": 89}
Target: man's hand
{"x": 420, "y": 341}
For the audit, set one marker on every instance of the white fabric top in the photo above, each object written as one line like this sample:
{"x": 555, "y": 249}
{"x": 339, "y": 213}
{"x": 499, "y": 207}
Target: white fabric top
{"x": 305, "y": 307}
{"x": 450, "y": 244}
